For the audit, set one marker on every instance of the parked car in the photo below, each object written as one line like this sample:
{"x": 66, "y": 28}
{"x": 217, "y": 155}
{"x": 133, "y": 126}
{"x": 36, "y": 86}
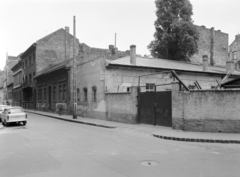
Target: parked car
{"x": 2, "y": 107}
{"x": 14, "y": 114}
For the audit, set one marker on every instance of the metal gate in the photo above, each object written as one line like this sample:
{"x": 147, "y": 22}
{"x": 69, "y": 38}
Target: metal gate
{"x": 155, "y": 108}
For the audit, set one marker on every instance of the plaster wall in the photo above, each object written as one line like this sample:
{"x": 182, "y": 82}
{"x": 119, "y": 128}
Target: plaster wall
{"x": 122, "y": 106}
{"x": 90, "y": 73}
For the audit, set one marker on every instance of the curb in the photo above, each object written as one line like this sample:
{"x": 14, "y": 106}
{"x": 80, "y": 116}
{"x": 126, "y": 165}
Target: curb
{"x": 69, "y": 120}
{"x": 197, "y": 140}
{"x": 154, "y": 135}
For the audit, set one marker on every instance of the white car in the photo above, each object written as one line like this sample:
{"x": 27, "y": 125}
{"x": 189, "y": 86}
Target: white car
{"x": 2, "y": 107}
{"x": 14, "y": 114}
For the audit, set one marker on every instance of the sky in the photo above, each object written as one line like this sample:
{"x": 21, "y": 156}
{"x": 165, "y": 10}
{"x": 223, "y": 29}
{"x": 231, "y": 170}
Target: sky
{"x": 23, "y": 22}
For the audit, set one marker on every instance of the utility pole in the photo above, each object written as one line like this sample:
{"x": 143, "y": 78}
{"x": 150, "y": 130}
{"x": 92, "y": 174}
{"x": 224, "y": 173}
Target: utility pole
{"x": 74, "y": 78}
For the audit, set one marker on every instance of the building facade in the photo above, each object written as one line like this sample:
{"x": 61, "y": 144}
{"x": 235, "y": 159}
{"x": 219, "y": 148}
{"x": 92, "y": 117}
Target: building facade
{"x": 47, "y": 51}
{"x": 234, "y": 51}
{"x": 102, "y": 73}
{"x": 1, "y": 86}
{"x": 53, "y": 86}
{"x": 17, "y": 84}
{"x": 8, "y": 76}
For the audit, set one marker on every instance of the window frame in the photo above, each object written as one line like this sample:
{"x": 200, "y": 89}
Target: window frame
{"x": 94, "y": 94}
{"x": 85, "y": 92}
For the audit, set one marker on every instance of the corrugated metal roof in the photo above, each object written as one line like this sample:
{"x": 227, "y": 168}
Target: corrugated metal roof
{"x": 53, "y": 68}
{"x": 169, "y": 64}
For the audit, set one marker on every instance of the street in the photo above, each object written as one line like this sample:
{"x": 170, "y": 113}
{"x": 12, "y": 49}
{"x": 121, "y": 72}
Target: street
{"x": 48, "y": 147}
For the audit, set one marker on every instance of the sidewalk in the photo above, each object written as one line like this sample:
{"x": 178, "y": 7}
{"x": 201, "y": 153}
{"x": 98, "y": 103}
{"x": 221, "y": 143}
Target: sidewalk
{"x": 157, "y": 131}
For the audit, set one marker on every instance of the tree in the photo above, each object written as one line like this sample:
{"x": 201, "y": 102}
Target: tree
{"x": 176, "y": 37}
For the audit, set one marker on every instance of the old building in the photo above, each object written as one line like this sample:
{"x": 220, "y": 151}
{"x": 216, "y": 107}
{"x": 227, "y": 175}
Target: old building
{"x": 1, "y": 86}
{"x": 49, "y": 50}
{"x": 8, "y": 76}
{"x": 17, "y": 84}
{"x": 213, "y": 43}
{"x": 104, "y": 73}
{"x": 53, "y": 86}
{"x": 234, "y": 51}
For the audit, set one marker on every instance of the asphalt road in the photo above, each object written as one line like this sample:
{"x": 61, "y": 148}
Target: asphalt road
{"x": 48, "y": 147}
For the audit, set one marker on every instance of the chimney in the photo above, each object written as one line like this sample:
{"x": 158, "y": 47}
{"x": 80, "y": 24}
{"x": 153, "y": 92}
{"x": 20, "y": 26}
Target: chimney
{"x": 133, "y": 54}
{"x": 205, "y": 62}
{"x": 229, "y": 66}
{"x": 112, "y": 51}
{"x": 65, "y": 42}
{"x": 67, "y": 29}
{"x": 237, "y": 37}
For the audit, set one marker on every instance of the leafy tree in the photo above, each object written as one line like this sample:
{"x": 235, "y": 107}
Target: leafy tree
{"x": 176, "y": 37}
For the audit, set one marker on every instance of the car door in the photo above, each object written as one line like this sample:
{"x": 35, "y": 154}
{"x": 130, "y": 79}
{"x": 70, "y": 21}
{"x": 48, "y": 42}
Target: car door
{"x": 4, "y": 114}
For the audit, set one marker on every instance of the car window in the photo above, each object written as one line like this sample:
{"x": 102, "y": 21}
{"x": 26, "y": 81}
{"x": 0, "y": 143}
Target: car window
{"x": 2, "y": 108}
{"x": 16, "y": 110}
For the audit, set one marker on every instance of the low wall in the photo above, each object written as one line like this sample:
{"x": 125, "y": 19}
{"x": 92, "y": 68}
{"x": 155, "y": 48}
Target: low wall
{"x": 122, "y": 106}
{"x": 206, "y": 110}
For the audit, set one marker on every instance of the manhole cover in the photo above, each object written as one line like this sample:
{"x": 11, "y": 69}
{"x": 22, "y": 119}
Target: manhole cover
{"x": 149, "y": 163}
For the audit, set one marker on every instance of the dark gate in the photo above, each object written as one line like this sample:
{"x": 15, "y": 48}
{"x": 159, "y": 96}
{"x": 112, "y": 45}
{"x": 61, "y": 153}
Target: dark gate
{"x": 155, "y": 108}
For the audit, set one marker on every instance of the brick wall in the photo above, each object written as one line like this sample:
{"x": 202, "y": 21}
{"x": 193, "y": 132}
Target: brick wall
{"x": 206, "y": 110}
{"x": 50, "y": 50}
{"x": 122, "y": 107}
{"x": 204, "y": 45}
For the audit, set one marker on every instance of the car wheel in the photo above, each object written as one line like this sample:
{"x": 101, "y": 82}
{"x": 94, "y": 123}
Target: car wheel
{"x": 24, "y": 122}
{"x": 5, "y": 123}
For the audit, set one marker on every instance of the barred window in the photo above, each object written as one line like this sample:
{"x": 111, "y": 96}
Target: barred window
{"x": 150, "y": 87}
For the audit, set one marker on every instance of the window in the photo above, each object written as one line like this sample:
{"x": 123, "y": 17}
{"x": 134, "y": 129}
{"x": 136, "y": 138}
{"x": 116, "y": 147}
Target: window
{"x": 150, "y": 87}
{"x": 30, "y": 78}
{"x": 54, "y": 92}
{"x": 85, "y": 94}
{"x": 45, "y": 93}
{"x": 94, "y": 94}
{"x": 78, "y": 95}
{"x": 26, "y": 79}
{"x": 60, "y": 92}
{"x": 40, "y": 94}
{"x": 30, "y": 62}
{"x": 234, "y": 55}
{"x": 33, "y": 58}
{"x": 64, "y": 92}
{"x": 26, "y": 64}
